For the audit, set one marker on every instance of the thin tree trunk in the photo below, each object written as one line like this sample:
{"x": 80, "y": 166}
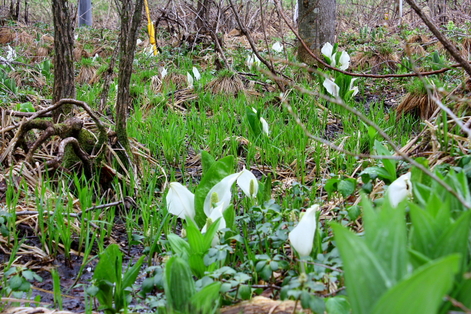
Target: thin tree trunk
{"x": 64, "y": 83}
{"x": 316, "y": 23}
{"x": 127, "y": 41}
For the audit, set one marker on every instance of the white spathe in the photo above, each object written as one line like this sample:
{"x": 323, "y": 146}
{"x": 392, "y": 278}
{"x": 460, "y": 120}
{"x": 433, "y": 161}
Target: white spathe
{"x": 220, "y": 194}
{"x": 327, "y": 50}
{"x": 248, "y": 183}
{"x": 196, "y": 74}
{"x": 252, "y": 60}
{"x": 189, "y": 79}
{"x": 331, "y": 87}
{"x": 353, "y": 88}
{"x": 265, "y": 128}
{"x": 215, "y": 214}
{"x": 277, "y": 47}
{"x": 163, "y": 72}
{"x": 180, "y": 201}
{"x": 344, "y": 61}
{"x": 400, "y": 189}
{"x": 302, "y": 236}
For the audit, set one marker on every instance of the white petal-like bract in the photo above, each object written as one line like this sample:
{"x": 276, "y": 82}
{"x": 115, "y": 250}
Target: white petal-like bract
{"x": 220, "y": 194}
{"x": 331, "y": 87}
{"x": 180, "y": 201}
{"x": 302, "y": 236}
{"x": 278, "y": 47}
{"x": 196, "y": 74}
{"x": 265, "y": 128}
{"x": 248, "y": 183}
{"x": 189, "y": 79}
{"x": 400, "y": 189}
{"x": 344, "y": 61}
{"x": 327, "y": 50}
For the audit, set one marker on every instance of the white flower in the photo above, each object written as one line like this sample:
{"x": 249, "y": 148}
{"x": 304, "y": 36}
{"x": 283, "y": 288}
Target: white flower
{"x": 331, "y": 87}
{"x": 163, "y": 72}
{"x": 353, "y": 88}
{"x": 327, "y": 50}
{"x": 302, "y": 236}
{"x": 264, "y": 126}
{"x": 189, "y": 79}
{"x": 264, "y": 123}
{"x": 248, "y": 183}
{"x": 400, "y": 189}
{"x": 196, "y": 74}
{"x": 344, "y": 61}
{"x": 220, "y": 194}
{"x": 215, "y": 214}
{"x": 180, "y": 201}
{"x": 138, "y": 42}
{"x": 11, "y": 54}
{"x": 277, "y": 47}
{"x": 252, "y": 60}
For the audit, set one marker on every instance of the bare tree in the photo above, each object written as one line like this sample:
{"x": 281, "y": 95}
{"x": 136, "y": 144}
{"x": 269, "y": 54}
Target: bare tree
{"x": 64, "y": 76}
{"x": 130, "y": 13}
{"x": 316, "y": 24}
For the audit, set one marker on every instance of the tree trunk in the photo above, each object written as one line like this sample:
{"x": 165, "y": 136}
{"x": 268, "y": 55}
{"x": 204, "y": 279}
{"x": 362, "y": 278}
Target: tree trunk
{"x": 127, "y": 42}
{"x": 85, "y": 13}
{"x": 316, "y": 24}
{"x": 64, "y": 83}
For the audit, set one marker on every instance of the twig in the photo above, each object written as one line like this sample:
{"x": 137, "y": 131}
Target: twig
{"x": 244, "y": 31}
{"x": 445, "y": 42}
{"x": 358, "y": 74}
{"x": 380, "y": 132}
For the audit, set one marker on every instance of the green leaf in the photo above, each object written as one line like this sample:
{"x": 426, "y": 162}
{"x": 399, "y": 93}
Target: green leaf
{"x": 421, "y": 293}
{"x": 131, "y": 274}
{"x": 218, "y": 171}
{"x": 178, "y": 245}
{"x": 109, "y": 264}
{"x": 179, "y": 285}
{"x": 389, "y": 164}
{"x": 229, "y": 216}
{"x": 206, "y": 161}
{"x": 15, "y": 282}
{"x": 347, "y": 186}
{"x": 244, "y": 292}
{"x": 207, "y": 299}
{"x": 337, "y": 305}
{"x": 376, "y": 172}
{"x": 386, "y": 235}
{"x": 366, "y": 277}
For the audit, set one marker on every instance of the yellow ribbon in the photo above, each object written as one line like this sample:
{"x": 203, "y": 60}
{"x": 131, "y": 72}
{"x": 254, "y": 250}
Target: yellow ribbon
{"x": 150, "y": 29}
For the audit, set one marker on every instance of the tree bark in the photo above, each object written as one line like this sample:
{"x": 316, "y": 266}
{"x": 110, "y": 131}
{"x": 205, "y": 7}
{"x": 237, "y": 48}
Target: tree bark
{"x": 64, "y": 83}
{"x": 85, "y": 13}
{"x": 127, "y": 41}
{"x": 316, "y": 24}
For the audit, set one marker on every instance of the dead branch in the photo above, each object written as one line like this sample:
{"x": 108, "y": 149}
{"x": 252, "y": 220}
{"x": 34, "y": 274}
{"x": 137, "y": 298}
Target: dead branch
{"x": 352, "y": 73}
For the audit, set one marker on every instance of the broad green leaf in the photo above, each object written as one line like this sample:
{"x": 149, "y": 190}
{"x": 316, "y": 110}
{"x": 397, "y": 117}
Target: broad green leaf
{"x": 229, "y": 216}
{"x": 423, "y": 292}
{"x": 464, "y": 293}
{"x": 376, "y": 172}
{"x": 385, "y": 234}
{"x": 131, "y": 274}
{"x": 366, "y": 277}
{"x": 179, "y": 246}
{"x": 455, "y": 239}
{"x": 423, "y": 234}
{"x": 389, "y": 164}
{"x": 218, "y": 171}
{"x": 109, "y": 264}
{"x": 337, "y": 305}
{"x": 207, "y": 299}
{"x": 206, "y": 161}
{"x": 179, "y": 285}
{"x": 347, "y": 186}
